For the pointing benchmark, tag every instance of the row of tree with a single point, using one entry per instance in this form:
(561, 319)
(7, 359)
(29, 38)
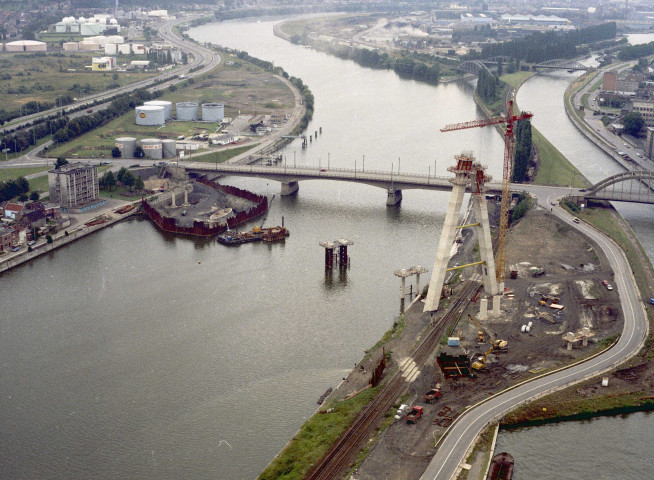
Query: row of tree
(539, 47)
(124, 177)
(632, 52)
(488, 86)
(522, 155)
(24, 139)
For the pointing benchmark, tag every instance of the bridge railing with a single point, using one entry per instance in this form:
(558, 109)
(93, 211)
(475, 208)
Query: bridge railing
(384, 175)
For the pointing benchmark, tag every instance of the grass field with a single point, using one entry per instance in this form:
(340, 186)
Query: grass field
(43, 76)
(11, 173)
(241, 87)
(554, 168)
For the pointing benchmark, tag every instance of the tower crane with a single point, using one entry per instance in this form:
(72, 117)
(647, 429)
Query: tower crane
(509, 120)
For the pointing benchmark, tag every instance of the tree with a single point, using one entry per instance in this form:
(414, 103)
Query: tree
(22, 197)
(109, 180)
(61, 161)
(138, 184)
(128, 179)
(138, 152)
(34, 196)
(115, 152)
(633, 123)
(120, 176)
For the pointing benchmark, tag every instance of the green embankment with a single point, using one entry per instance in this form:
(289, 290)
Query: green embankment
(315, 437)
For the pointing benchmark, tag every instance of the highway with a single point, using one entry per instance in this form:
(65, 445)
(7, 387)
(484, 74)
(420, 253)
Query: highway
(459, 439)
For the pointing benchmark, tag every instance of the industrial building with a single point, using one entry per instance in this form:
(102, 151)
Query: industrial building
(75, 187)
(103, 64)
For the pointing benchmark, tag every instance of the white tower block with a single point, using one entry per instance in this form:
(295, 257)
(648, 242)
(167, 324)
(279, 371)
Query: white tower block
(459, 182)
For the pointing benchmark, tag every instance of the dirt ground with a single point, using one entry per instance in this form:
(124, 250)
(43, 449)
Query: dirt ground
(573, 271)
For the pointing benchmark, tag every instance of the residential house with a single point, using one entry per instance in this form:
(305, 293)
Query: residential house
(13, 210)
(8, 238)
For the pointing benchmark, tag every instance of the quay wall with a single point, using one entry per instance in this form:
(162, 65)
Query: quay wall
(199, 228)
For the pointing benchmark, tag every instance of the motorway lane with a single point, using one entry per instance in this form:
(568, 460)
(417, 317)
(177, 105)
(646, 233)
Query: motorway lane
(454, 448)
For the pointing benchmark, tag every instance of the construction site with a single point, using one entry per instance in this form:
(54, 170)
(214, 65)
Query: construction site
(495, 313)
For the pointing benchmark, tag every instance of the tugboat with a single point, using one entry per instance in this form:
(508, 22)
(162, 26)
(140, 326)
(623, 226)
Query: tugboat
(501, 467)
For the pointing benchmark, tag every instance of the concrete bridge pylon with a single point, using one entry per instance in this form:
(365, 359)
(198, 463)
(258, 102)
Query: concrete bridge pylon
(467, 173)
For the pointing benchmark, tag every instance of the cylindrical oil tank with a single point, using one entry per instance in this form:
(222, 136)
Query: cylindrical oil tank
(186, 111)
(213, 112)
(126, 145)
(150, 115)
(168, 107)
(169, 148)
(152, 148)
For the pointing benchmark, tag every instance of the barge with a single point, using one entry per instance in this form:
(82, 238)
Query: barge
(272, 234)
(501, 467)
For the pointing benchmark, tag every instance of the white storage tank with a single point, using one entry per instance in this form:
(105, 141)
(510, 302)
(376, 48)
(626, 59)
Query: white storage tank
(168, 107)
(169, 148)
(152, 148)
(186, 111)
(89, 46)
(70, 46)
(126, 145)
(213, 112)
(124, 48)
(26, 46)
(150, 115)
(110, 49)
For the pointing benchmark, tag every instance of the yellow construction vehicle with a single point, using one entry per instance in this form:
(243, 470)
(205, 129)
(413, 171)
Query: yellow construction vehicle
(497, 343)
(481, 363)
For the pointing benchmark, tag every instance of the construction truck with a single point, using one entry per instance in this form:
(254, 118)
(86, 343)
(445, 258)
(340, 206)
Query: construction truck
(432, 395)
(414, 415)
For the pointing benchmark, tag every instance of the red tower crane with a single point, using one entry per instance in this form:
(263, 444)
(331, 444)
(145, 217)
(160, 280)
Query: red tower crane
(509, 120)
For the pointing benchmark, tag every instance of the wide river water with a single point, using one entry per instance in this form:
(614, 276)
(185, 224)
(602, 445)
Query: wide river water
(132, 354)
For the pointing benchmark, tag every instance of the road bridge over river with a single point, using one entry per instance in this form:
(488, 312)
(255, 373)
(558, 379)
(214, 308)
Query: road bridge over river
(630, 186)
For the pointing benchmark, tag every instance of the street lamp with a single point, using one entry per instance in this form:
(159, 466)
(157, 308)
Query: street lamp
(5, 151)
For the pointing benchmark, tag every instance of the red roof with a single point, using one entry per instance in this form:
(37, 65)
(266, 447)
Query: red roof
(14, 207)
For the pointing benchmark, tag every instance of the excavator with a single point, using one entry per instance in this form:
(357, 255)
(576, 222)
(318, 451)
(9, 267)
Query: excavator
(481, 363)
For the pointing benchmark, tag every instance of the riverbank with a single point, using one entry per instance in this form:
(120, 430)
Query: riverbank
(78, 230)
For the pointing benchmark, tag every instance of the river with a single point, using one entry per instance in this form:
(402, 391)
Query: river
(132, 354)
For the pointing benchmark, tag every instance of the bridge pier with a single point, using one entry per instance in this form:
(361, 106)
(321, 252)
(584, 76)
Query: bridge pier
(394, 197)
(290, 188)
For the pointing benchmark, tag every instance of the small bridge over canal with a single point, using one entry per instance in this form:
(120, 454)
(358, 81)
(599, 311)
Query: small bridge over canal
(633, 186)
(560, 64)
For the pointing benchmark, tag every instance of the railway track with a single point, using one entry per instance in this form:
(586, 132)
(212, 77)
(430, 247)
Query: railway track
(340, 455)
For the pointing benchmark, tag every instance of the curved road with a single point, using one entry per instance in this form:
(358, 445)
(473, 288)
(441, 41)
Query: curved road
(459, 439)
